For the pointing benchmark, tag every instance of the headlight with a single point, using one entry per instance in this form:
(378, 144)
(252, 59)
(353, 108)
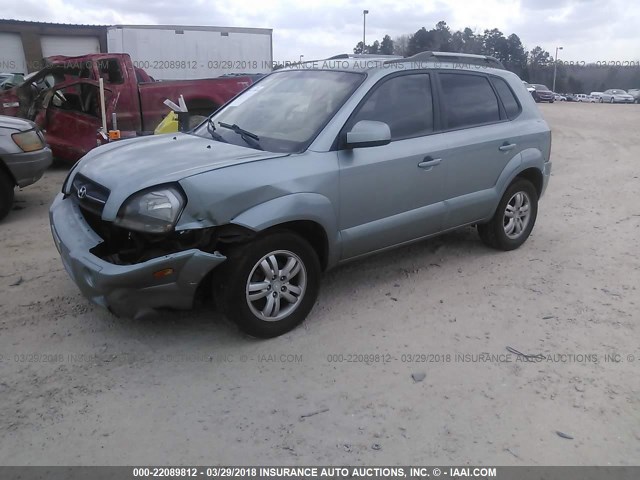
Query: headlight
(28, 141)
(155, 210)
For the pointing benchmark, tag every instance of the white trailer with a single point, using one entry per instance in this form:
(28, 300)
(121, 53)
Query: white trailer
(174, 52)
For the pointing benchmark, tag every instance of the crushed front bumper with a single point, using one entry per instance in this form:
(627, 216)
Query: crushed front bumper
(126, 290)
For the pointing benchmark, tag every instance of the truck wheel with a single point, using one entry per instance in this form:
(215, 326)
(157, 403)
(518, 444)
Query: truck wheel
(268, 286)
(6, 194)
(514, 218)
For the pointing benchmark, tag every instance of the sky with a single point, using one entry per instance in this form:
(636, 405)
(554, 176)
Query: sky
(588, 30)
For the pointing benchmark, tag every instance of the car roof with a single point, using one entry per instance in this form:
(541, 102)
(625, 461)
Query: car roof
(368, 62)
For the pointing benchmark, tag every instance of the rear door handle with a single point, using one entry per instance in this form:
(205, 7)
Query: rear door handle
(428, 163)
(505, 147)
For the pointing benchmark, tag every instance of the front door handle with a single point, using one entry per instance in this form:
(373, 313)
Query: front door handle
(428, 163)
(505, 147)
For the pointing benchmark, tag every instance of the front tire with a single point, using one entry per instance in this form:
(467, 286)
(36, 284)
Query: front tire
(269, 286)
(514, 219)
(6, 194)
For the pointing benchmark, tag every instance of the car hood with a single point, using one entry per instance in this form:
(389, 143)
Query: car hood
(128, 166)
(14, 123)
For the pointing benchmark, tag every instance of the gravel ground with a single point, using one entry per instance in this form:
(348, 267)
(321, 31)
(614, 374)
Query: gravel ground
(79, 386)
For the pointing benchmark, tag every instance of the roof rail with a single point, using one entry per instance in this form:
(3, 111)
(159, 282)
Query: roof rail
(344, 56)
(465, 58)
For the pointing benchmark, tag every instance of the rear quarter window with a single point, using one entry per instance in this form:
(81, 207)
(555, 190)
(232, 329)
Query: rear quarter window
(509, 100)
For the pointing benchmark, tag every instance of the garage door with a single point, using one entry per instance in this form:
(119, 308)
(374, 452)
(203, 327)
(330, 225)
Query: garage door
(70, 46)
(11, 53)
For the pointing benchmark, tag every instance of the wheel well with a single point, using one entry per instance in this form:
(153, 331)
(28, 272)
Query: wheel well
(313, 233)
(534, 176)
(4, 169)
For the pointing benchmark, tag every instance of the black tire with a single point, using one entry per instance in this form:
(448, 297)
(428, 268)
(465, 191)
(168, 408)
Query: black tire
(6, 194)
(493, 233)
(231, 283)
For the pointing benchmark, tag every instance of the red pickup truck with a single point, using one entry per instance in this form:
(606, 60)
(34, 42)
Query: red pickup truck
(64, 99)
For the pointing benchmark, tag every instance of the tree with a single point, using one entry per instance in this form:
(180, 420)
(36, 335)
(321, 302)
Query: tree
(374, 48)
(358, 48)
(442, 37)
(386, 47)
(401, 45)
(516, 56)
(495, 45)
(421, 41)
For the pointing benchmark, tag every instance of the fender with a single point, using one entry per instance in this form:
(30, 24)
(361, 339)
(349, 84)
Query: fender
(528, 158)
(531, 157)
(295, 207)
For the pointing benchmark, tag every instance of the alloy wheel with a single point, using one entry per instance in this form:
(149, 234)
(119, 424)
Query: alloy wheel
(276, 285)
(516, 215)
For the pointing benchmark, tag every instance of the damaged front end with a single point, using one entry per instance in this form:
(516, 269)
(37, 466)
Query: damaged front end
(128, 272)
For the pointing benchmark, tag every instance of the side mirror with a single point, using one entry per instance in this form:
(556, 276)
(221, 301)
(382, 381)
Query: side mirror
(368, 133)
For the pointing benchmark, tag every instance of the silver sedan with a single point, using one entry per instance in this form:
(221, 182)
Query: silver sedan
(615, 95)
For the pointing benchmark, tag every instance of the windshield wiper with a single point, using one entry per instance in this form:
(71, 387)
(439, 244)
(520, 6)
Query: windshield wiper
(251, 138)
(211, 128)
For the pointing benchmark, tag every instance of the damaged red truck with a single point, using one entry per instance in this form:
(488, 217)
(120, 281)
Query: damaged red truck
(63, 99)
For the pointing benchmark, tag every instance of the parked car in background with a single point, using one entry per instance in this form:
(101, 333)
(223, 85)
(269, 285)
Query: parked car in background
(616, 95)
(542, 94)
(285, 182)
(558, 97)
(583, 97)
(635, 93)
(64, 99)
(596, 95)
(24, 156)
(530, 88)
(571, 97)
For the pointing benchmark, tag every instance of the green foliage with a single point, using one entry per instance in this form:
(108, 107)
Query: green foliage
(535, 66)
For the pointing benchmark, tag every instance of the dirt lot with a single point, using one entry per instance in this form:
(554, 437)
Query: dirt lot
(78, 386)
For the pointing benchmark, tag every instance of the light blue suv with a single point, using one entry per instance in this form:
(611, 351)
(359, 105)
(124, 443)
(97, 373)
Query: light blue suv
(314, 165)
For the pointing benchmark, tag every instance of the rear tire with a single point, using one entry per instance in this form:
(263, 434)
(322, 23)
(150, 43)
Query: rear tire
(6, 194)
(268, 286)
(514, 219)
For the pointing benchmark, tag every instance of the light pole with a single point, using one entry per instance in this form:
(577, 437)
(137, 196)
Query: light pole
(364, 28)
(555, 67)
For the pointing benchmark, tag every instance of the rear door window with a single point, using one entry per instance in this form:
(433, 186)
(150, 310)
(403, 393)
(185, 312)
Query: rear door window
(468, 100)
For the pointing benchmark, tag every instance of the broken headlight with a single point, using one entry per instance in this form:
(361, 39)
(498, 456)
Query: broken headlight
(155, 210)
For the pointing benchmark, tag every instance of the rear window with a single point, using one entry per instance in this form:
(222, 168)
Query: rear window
(468, 100)
(509, 101)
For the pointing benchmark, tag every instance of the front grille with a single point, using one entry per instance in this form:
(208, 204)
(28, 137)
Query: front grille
(91, 196)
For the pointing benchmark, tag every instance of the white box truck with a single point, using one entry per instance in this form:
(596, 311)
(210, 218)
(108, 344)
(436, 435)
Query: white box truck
(175, 52)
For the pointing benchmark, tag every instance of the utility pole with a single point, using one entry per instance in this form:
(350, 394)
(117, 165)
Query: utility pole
(555, 67)
(364, 28)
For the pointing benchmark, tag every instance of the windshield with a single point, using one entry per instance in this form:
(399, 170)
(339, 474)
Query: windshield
(618, 92)
(284, 112)
(540, 87)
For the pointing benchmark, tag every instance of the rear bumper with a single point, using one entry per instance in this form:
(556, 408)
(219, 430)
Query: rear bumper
(28, 167)
(126, 290)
